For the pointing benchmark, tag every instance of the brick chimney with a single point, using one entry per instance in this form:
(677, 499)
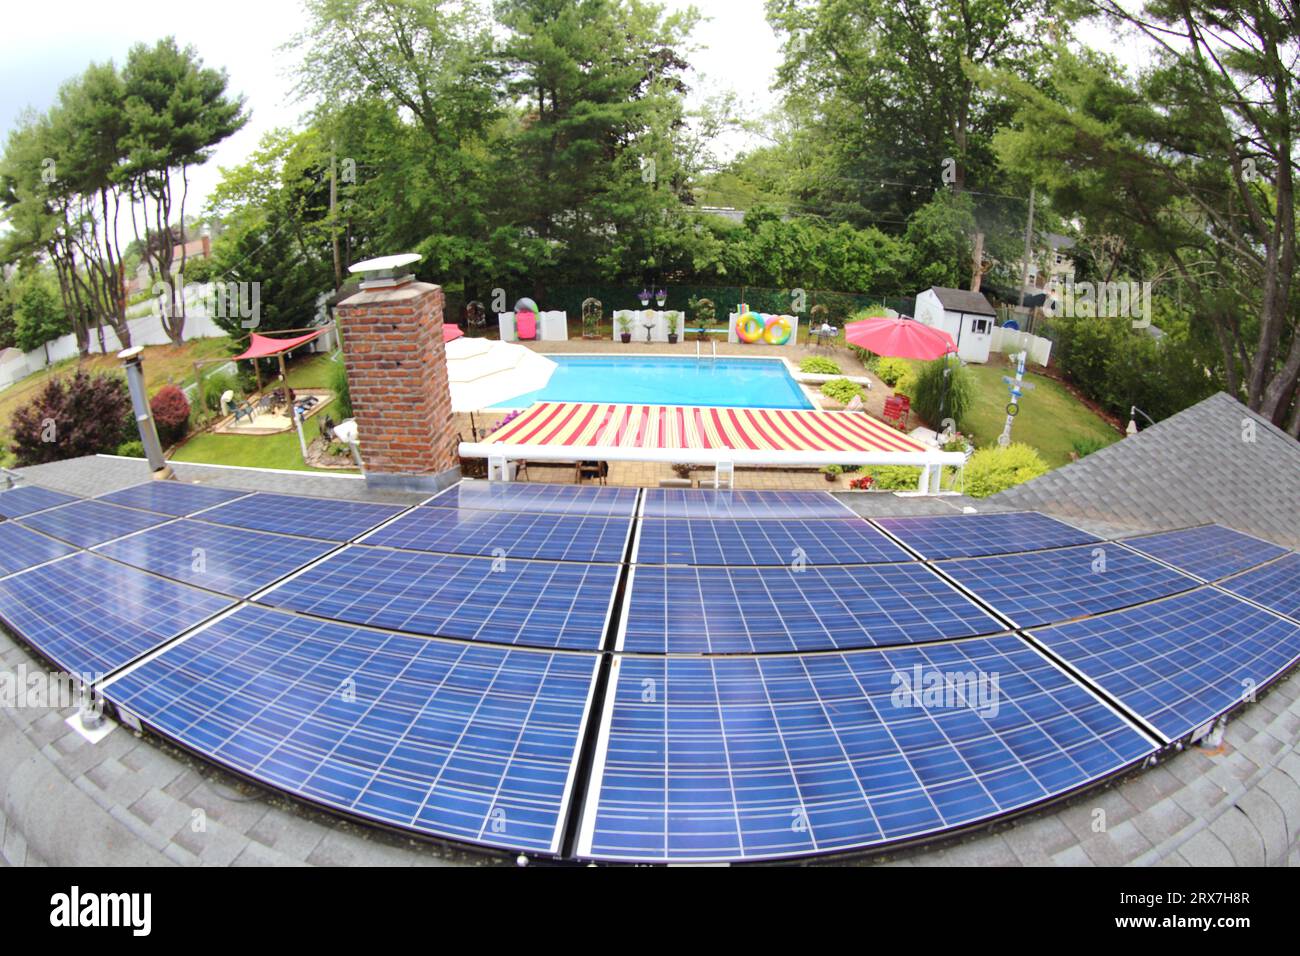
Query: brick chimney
(397, 375)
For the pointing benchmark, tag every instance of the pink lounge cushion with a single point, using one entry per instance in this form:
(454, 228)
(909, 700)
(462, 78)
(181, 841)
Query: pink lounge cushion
(526, 325)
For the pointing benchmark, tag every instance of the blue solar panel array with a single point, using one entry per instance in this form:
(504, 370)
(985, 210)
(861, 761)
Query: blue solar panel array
(752, 758)
(502, 601)
(554, 537)
(88, 523)
(91, 616)
(229, 560)
(699, 503)
(468, 742)
(1181, 662)
(965, 536)
(16, 502)
(759, 610)
(330, 519)
(1210, 552)
(21, 548)
(1275, 586)
(1044, 587)
(745, 541)
(538, 499)
(172, 497)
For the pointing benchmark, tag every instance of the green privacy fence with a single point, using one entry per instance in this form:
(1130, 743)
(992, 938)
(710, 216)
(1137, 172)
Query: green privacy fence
(825, 306)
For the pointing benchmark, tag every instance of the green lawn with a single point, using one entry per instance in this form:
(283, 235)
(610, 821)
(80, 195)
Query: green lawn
(1050, 418)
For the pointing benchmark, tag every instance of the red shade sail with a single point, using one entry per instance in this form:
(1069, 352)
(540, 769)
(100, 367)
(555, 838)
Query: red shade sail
(263, 346)
(900, 338)
(451, 332)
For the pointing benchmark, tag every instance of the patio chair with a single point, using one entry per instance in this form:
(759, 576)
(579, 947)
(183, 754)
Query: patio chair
(244, 410)
(591, 469)
(898, 409)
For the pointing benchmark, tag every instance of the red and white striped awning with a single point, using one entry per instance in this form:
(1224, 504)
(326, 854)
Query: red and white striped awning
(561, 431)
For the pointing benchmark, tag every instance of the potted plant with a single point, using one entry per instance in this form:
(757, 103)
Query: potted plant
(625, 328)
(832, 472)
(644, 296)
(661, 297)
(674, 326)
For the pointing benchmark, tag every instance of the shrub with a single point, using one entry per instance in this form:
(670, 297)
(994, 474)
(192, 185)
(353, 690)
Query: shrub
(342, 393)
(995, 469)
(131, 449)
(171, 413)
(70, 417)
(894, 477)
(906, 384)
(214, 386)
(934, 400)
(1086, 446)
(841, 390)
(890, 370)
(817, 365)
(869, 359)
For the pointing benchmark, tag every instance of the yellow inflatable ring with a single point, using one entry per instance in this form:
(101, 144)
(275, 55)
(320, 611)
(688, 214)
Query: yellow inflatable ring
(749, 328)
(777, 331)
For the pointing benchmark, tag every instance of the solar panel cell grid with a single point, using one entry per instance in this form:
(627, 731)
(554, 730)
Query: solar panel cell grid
(961, 536)
(88, 523)
(171, 497)
(501, 601)
(465, 742)
(1047, 586)
(1275, 586)
(591, 500)
(91, 616)
(1180, 662)
(515, 535)
(1210, 552)
(701, 503)
(752, 610)
(16, 502)
(230, 560)
(330, 519)
(729, 759)
(21, 548)
(744, 541)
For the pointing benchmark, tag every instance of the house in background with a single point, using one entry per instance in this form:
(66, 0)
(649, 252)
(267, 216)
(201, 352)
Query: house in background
(966, 316)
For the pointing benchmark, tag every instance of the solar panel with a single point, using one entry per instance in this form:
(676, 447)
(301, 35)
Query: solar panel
(91, 616)
(742, 541)
(964, 536)
(467, 742)
(20, 548)
(500, 601)
(25, 499)
(230, 560)
(1043, 587)
(88, 523)
(1180, 662)
(551, 536)
(331, 519)
(1210, 552)
(172, 497)
(752, 758)
(752, 610)
(700, 503)
(1275, 586)
(538, 498)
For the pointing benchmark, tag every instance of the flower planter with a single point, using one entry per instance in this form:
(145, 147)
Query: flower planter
(672, 338)
(625, 337)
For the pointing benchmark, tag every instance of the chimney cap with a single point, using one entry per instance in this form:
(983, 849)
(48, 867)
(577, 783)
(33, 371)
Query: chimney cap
(385, 271)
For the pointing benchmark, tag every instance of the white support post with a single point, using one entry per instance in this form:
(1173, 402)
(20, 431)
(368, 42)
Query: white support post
(500, 469)
(725, 469)
(923, 485)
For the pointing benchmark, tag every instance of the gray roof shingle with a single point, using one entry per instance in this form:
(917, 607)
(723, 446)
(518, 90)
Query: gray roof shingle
(961, 300)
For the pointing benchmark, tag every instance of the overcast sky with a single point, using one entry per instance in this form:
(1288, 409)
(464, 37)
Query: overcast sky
(44, 44)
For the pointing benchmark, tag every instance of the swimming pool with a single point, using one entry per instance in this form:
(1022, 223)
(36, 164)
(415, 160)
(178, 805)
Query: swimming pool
(649, 380)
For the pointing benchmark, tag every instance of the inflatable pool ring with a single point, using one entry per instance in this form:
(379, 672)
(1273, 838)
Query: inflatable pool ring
(749, 328)
(777, 331)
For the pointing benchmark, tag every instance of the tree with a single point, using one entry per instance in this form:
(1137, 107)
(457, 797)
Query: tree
(39, 314)
(1194, 163)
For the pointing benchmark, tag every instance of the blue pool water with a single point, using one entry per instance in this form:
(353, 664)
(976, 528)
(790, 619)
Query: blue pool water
(646, 380)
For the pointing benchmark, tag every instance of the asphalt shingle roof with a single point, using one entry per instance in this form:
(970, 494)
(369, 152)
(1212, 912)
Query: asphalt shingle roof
(1216, 461)
(961, 300)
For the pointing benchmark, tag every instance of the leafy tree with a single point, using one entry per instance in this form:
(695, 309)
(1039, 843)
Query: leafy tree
(171, 413)
(73, 416)
(39, 315)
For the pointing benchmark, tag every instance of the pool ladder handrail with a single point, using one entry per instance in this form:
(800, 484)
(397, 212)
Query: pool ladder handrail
(712, 341)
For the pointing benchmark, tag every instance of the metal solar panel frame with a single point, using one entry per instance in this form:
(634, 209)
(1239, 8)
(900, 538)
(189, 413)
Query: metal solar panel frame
(539, 490)
(890, 551)
(56, 547)
(656, 498)
(49, 499)
(564, 806)
(1133, 543)
(126, 497)
(1289, 560)
(90, 521)
(213, 515)
(591, 799)
(882, 523)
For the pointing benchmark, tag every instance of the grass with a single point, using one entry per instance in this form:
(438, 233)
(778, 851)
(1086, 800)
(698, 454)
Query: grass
(1050, 418)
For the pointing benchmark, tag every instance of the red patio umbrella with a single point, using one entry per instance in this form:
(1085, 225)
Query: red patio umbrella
(451, 332)
(903, 337)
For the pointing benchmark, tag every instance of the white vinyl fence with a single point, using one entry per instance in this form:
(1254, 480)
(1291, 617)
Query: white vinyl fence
(1013, 340)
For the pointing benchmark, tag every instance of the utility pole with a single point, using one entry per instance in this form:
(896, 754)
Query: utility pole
(1029, 251)
(334, 232)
